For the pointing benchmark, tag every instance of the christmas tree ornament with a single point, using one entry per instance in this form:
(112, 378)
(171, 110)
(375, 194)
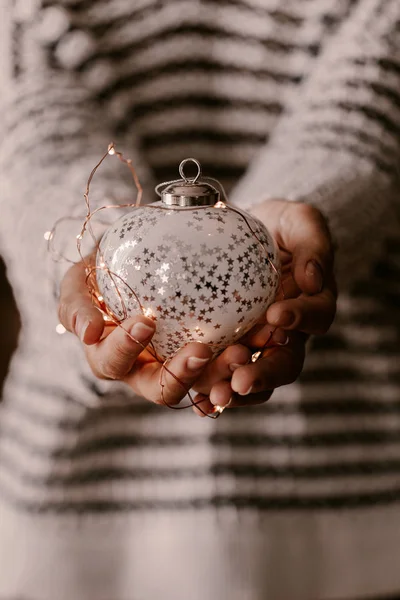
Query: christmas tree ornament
(204, 270)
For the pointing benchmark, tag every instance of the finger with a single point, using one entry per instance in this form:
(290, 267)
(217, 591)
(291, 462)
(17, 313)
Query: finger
(76, 310)
(173, 382)
(114, 356)
(305, 233)
(224, 398)
(301, 230)
(266, 334)
(309, 314)
(202, 405)
(279, 366)
(238, 401)
(221, 394)
(222, 367)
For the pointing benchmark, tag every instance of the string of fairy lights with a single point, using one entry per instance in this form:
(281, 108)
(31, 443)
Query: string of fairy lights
(92, 268)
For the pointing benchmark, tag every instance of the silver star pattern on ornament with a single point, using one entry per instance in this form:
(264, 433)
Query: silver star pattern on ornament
(200, 273)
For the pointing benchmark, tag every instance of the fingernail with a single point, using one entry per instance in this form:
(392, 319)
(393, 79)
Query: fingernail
(194, 363)
(247, 392)
(221, 404)
(234, 366)
(286, 319)
(141, 332)
(280, 337)
(314, 270)
(81, 325)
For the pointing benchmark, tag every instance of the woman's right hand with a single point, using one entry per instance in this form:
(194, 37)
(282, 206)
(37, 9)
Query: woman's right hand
(112, 354)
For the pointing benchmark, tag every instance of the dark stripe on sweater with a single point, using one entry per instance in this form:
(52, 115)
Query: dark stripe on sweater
(184, 67)
(93, 475)
(379, 89)
(341, 146)
(258, 503)
(389, 65)
(345, 129)
(390, 299)
(198, 100)
(278, 16)
(212, 33)
(368, 437)
(373, 114)
(346, 406)
(81, 6)
(332, 374)
(221, 172)
(202, 135)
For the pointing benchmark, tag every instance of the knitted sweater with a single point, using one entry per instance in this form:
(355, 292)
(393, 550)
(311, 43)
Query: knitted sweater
(105, 496)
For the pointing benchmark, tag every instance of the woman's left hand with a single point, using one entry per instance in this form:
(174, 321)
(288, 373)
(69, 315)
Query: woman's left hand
(306, 305)
(249, 383)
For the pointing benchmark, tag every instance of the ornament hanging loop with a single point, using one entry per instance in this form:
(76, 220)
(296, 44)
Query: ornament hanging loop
(188, 191)
(182, 174)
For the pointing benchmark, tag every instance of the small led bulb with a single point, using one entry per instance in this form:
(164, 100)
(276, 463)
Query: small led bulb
(256, 356)
(60, 329)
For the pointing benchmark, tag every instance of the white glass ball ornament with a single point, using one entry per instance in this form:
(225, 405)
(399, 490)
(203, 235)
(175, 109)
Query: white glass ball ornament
(205, 271)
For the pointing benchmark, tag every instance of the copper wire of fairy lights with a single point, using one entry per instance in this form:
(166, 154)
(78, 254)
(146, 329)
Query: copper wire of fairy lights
(109, 317)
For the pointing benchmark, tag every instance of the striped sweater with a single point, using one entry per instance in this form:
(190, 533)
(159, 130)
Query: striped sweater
(104, 496)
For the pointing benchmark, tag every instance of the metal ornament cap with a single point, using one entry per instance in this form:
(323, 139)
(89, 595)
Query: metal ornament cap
(189, 191)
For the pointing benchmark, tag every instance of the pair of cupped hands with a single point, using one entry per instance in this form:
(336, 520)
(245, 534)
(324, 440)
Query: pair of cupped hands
(307, 306)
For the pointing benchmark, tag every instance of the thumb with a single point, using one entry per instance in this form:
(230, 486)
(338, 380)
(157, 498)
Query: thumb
(76, 310)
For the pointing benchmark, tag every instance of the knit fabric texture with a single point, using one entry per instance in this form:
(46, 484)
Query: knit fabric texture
(105, 496)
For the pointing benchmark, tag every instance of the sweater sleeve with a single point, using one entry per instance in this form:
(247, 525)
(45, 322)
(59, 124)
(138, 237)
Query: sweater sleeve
(338, 147)
(53, 132)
